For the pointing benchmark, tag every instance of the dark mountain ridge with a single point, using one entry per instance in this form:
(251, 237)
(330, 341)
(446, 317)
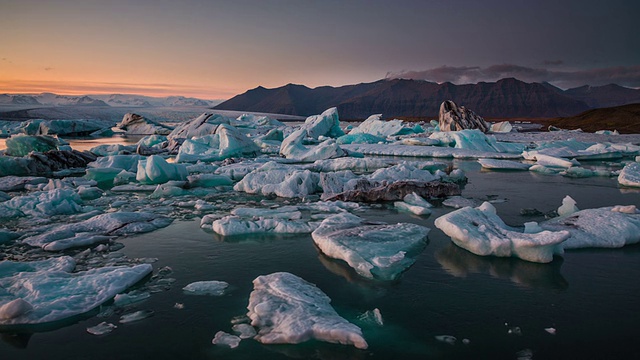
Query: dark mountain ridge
(505, 98)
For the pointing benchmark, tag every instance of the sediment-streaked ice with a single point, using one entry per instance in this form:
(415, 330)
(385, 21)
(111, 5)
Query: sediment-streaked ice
(375, 251)
(600, 228)
(482, 232)
(289, 310)
(46, 291)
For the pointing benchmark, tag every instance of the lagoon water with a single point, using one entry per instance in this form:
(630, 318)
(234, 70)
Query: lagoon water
(502, 306)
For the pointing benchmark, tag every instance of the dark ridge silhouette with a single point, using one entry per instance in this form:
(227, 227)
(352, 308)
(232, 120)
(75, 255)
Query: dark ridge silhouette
(506, 98)
(625, 119)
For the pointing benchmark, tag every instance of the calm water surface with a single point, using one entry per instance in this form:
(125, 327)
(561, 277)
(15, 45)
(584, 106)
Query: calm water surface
(589, 296)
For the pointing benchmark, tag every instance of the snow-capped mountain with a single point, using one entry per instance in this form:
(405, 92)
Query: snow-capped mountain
(114, 100)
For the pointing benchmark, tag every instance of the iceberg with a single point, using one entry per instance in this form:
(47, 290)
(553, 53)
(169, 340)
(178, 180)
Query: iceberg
(280, 180)
(156, 170)
(475, 140)
(414, 204)
(63, 127)
(22, 145)
(373, 125)
(568, 206)
(480, 231)
(226, 141)
(44, 203)
(205, 124)
(548, 160)
(289, 310)
(293, 149)
(95, 228)
(374, 251)
(501, 127)
(630, 175)
(360, 138)
(134, 124)
(600, 228)
(208, 180)
(45, 291)
(121, 162)
(17, 183)
(430, 151)
(326, 124)
(456, 118)
(235, 225)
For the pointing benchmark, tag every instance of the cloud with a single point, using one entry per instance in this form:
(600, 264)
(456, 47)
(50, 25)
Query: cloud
(48, 69)
(621, 75)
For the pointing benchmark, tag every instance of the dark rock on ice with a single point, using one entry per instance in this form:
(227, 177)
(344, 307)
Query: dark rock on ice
(373, 191)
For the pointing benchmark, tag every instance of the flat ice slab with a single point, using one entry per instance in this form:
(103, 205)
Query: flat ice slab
(494, 164)
(480, 231)
(289, 310)
(375, 251)
(630, 175)
(601, 228)
(44, 291)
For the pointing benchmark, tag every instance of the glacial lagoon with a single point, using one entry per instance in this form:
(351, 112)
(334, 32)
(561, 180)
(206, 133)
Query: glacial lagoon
(581, 305)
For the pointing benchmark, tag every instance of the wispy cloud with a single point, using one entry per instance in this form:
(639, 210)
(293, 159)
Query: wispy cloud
(82, 88)
(48, 69)
(621, 75)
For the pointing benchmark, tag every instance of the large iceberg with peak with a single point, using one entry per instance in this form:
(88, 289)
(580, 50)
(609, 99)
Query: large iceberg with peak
(326, 124)
(374, 250)
(482, 232)
(292, 148)
(134, 124)
(289, 310)
(45, 291)
(205, 124)
(373, 125)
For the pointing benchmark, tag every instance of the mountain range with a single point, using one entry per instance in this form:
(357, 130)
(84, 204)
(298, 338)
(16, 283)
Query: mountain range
(506, 98)
(115, 100)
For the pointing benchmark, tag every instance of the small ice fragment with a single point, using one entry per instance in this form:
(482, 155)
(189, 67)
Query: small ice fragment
(372, 316)
(550, 330)
(101, 329)
(102, 248)
(130, 298)
(451, 340)
(136, 316)
(568, 206)
(515, 330)
(628, 209)
(525, 354)
(466, 341)
(245, 331)
(215, 288)
(222, 338)
(178, 306)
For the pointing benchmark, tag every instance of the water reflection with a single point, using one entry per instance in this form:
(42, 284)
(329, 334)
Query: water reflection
(318, 350)
(17, 340)
(460, 263)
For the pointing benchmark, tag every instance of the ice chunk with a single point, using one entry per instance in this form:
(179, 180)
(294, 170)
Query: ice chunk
(17, 183)
(451, 340)
(205, 124)
(372, 316)
(415, 204)
(601, 227)
(113, 149)
(213, 287)
(52, 291)
(208, 180)
(234, 225)
(156, 170)
(225, 142)
(136, 316)
(375, 251)
(21, 145)
(293, 149)
(568, 206)
(549, 161)
(45, 203)
(377, 127)
(325, 124)
(475, 140)
(6, 236)
(289, 310)
(284, 181)
(630, 175)
(135, 124)
(103, 176)
(501, 127)
(459, 202)
(244, 331)
(121, 162)
(223, 338)
(503, 164)
(628, 209)
(482, 232)
(130, 298)
(14, 309)
(434, 151)
(110, 224)
(360, 139)
(101, 329)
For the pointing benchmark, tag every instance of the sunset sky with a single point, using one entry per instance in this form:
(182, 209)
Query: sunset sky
(216, 49)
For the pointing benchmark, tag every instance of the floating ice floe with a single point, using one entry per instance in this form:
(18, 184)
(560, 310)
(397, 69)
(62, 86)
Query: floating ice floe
(134, 124)
(131, 297)
(96, 229)
(244, 331)
(459, 202)
(360, 138)
(203, 125)
(101, 329)
(120, 162)
(223, 338)
(608, 227)
(281, 180)
(45, 291)
(549, 161)
(375, 251)
(136, 316)
(415, 204)
(326, 124)
(630, 175)
(235, 225)
(501, 127)
(213, 287)
(289, 310)
(156, 170)
(475, 140)
(44, 203)
(482, 232)
(17, 183)
(293, 149)
(427, 151)
(63, 127)
(208, 180)
(494, 164)
(568, 206)
(226, 141)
